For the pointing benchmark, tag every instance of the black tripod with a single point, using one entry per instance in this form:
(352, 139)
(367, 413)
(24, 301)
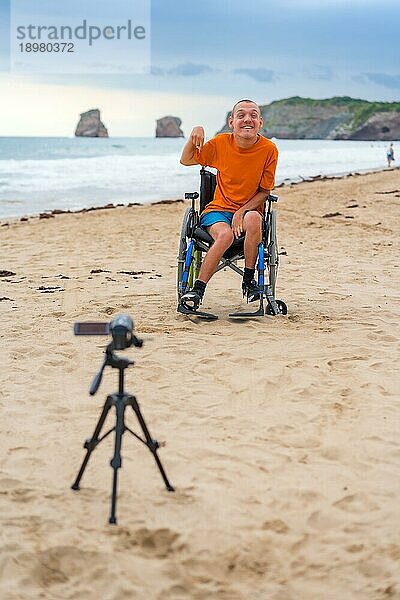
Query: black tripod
(120, 400)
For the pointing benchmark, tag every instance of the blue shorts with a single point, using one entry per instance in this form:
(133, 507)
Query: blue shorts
(216, 216)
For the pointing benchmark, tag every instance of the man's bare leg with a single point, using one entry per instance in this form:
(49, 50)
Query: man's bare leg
(252, 228)
(223, 238)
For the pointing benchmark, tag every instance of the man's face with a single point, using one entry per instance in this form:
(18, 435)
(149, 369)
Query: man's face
(246, 120)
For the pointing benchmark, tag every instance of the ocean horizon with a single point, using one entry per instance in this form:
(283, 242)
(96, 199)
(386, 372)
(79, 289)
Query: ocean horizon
(40, 174)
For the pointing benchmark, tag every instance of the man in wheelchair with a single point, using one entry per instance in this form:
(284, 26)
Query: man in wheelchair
(246, 164)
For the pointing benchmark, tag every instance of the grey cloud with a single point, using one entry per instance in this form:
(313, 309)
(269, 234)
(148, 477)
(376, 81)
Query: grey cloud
(189, 69)
(258, 74)
(389, 81)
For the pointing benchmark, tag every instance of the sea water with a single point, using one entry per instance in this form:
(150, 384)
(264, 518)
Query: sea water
(39, 174)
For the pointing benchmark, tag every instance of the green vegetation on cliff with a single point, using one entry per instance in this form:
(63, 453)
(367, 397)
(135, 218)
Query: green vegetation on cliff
(361, 110)
(340, 117)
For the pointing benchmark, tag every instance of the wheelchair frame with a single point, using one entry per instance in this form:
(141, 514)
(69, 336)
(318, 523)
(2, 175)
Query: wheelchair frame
(194, 240)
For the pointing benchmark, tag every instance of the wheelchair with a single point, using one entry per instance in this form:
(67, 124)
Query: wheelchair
(195, 240)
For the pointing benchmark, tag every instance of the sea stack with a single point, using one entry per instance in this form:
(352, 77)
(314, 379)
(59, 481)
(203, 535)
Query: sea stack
(90, 125)
(169, 127)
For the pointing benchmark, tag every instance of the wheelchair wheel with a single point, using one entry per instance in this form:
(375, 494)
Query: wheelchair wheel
(187, 224)
(282, 308)
(273, 262)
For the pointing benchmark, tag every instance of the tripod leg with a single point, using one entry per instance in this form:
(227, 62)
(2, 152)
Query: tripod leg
(91, 444)
(116, 461)
(151, 444)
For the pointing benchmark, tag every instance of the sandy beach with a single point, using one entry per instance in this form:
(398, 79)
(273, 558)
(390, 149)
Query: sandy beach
(282, 434)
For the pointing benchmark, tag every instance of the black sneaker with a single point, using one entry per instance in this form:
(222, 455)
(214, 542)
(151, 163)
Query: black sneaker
(191, 300)
(250, 290)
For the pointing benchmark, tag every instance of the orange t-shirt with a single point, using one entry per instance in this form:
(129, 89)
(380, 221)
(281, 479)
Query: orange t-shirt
(241, 171)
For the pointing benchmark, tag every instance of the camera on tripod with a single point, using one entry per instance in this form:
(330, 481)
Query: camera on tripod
(121, 328)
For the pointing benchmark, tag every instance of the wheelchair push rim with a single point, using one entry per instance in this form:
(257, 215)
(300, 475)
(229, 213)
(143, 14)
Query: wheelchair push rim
(272, 248)
(186, 232)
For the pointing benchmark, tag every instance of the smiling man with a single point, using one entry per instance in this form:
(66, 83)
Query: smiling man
(246, 164)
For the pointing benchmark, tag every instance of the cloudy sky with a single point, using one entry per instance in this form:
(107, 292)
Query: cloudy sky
(206, 55)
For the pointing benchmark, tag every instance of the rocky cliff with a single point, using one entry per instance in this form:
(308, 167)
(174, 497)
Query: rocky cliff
(90, 125)
(169, 127)
(339, 118)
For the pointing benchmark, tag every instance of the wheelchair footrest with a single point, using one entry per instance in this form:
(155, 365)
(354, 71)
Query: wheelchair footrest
(196, 313)
(248, 315)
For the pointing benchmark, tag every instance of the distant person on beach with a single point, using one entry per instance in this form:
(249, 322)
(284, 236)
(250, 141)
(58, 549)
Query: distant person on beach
(246, 164)
(390, 155)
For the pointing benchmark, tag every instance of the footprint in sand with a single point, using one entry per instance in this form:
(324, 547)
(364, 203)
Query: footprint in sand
(276, 525)
(14, 490)
(159, 543)
(345, 362)
(356, 503)
(382, 337)
(23, 495)
(61, 563)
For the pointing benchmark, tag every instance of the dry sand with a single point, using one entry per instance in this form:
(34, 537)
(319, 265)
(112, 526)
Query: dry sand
(282, 434)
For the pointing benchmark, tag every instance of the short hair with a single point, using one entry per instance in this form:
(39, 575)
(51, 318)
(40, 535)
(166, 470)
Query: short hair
(244, 100)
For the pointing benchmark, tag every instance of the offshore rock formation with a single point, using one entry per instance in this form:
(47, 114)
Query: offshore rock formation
(169, 127)
(90, 125)
(339, 118)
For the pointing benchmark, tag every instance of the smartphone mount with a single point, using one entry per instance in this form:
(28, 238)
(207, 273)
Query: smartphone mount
(120, 400)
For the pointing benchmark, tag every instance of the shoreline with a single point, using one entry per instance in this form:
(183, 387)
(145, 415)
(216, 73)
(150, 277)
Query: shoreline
(286, 183)
(342, 175)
